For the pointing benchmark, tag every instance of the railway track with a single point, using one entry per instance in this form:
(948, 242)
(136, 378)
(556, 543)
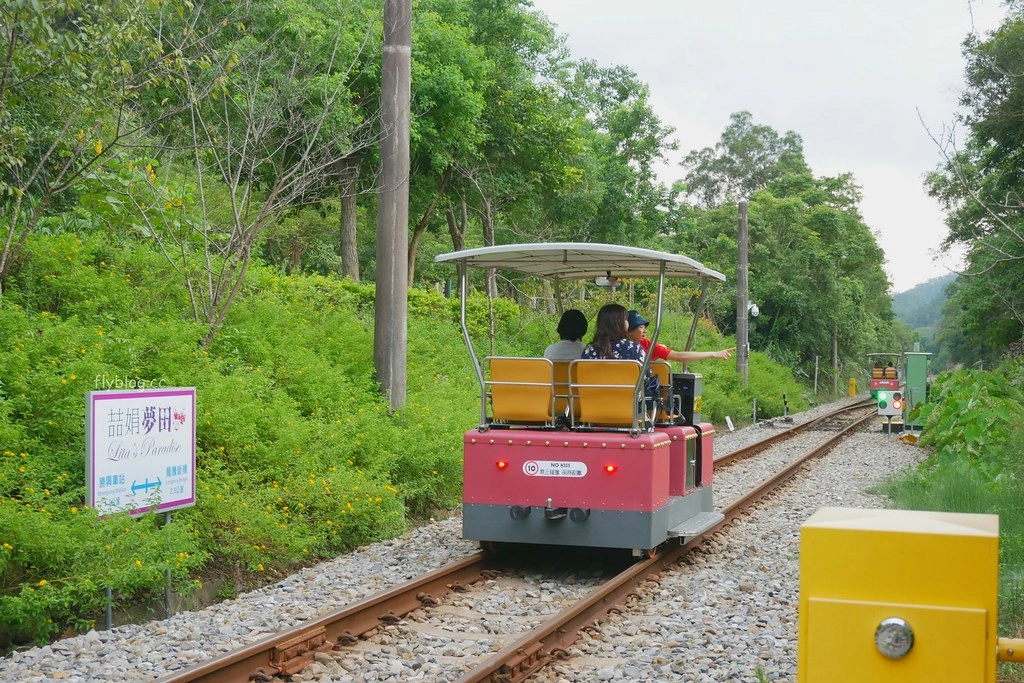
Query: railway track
(392, 617)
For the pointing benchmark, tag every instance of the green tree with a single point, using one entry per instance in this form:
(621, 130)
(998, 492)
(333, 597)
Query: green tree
(746, 158)
(71, 73)
(452, 72)
(979, 187)
(266, 121)
(816, 271)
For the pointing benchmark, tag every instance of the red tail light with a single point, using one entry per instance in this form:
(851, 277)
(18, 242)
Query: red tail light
(610, 469)
(501, 464)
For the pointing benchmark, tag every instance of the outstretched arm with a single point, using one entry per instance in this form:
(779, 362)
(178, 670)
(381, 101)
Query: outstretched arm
(691, 356)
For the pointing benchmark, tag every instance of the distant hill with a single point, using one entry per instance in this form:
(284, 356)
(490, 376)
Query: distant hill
(921, 307)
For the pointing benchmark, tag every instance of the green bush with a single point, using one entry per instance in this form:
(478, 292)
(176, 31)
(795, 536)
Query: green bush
(298, 458)
(968, 412)
(298, 455)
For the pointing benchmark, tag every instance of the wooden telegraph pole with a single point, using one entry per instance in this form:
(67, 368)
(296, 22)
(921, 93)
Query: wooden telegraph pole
(742, 299)
(390, 332)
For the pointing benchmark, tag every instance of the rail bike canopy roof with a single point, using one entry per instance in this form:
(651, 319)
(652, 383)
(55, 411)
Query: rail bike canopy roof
(581, 260)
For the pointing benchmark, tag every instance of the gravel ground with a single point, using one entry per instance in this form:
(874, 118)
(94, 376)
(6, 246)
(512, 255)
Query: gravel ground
(728, 614)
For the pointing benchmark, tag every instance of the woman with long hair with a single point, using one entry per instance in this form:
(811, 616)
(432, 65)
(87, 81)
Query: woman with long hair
(610, 342)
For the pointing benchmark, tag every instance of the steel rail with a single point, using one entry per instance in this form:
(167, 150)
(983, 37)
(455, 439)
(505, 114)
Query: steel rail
(288, 652)
(761, 445)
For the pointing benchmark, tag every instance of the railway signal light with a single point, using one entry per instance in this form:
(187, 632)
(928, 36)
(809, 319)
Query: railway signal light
(890, 403)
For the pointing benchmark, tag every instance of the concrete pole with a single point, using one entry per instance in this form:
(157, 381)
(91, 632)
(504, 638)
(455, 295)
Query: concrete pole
(742, 299)
(390, 332)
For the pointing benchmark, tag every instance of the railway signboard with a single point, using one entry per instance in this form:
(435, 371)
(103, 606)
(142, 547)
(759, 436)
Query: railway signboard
(141, 450)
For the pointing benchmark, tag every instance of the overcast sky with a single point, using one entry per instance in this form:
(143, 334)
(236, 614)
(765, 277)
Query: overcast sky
(854, 78)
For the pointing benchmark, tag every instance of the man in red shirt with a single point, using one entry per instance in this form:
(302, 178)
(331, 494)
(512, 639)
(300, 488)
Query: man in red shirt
(638, 333)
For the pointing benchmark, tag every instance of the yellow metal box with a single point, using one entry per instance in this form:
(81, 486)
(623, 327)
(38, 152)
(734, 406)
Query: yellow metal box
(898, 595)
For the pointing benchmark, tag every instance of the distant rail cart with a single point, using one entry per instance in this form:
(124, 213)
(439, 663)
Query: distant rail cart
(899, 383)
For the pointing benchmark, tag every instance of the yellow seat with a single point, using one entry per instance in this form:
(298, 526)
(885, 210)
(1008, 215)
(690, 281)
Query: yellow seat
(890, 372)
(877, 373)
(522, 390)
(607, 396)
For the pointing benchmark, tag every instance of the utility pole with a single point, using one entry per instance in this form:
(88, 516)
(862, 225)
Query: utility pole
(390, 322)
(742, 299)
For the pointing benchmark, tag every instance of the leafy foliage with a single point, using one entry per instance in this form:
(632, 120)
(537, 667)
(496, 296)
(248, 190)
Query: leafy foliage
(815, 268)
(994, 404)
(979, 186)
(746, 159)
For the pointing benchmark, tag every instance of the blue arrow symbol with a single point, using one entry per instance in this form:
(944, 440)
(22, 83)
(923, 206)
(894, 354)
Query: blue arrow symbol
(146, 485)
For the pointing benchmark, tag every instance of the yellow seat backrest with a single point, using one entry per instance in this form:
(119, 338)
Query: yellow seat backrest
(605, 391)
(522, 390)
(877, 373)
(890, 372)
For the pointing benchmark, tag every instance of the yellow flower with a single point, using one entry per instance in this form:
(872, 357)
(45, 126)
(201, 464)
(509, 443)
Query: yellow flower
(260, 566)
(8, 546)
(99, 147)
(81, 134)
(42, 582)
(138, 563)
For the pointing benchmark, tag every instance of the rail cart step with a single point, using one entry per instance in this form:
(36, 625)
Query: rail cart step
(696, 525)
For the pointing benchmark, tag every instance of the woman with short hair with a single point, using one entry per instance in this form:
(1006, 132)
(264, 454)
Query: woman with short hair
(571, 329)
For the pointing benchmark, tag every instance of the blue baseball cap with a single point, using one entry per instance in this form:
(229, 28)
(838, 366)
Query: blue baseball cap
(635, 320)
